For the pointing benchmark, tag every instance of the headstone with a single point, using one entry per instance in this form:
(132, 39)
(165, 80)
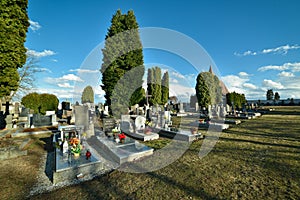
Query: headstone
(82, 119)
(181, 110)
(126, 125)
(41, 120)
(139, 123)
(7, 108)
(2, 120)
(108, 124)
(196, 107)
(106, 111)
(65, 105)
(29, 120)
(228, 110)
(24, 112)
(54, 120)
(8, 119)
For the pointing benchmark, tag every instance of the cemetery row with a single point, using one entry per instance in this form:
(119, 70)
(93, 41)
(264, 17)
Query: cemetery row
(81, 143)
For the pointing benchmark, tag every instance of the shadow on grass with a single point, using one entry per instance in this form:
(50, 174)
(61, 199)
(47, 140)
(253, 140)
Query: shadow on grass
(285, 136)
(198, 193)
(258, 142)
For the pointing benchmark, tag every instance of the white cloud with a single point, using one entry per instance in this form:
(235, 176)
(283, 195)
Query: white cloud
(33, 53)
(43, 69)
(70, 77)
(84, 71)
(249, 85)
(34, 25)
(183, 93)
(173, 80)
(295, 67)
(271, 84)
(244, 74)
(233, 81)
(277, 50)
(286, 74)
(281, 50)
(246, 53)
(177, 75)
(65, 85)
(240, 84)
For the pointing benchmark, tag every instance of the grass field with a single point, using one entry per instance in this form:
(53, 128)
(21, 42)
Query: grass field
(257, 159)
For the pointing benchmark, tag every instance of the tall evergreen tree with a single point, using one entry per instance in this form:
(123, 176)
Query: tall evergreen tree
(270, 94)
(210, 92)
(157, 86)
(13, 27)
(87, 95)
(122, 52)
(150, 85)
(165, 88)
(202, 91)
(277, 96)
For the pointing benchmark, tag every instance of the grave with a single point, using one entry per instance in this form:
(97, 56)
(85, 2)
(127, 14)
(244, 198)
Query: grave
(121, 153)
(182, 135)
(134, 126)
(68, 165)
(162, 125)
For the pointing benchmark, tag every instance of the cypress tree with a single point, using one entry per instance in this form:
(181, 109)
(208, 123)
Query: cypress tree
(87, 95)
(150, 84)
(165, 88)
(157, 86)
(122, 53)
(13, 27)
(202, 91)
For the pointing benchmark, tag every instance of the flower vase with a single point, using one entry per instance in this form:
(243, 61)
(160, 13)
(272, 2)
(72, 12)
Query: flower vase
(76, 155)
(122, 141)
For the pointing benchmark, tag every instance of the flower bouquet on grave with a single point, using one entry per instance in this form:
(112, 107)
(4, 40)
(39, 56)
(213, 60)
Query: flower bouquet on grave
(122, 137)
(115, 132)
(76, 150)
(74, 141)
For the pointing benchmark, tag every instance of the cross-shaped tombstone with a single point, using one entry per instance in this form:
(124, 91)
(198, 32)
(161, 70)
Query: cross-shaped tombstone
(147, 95)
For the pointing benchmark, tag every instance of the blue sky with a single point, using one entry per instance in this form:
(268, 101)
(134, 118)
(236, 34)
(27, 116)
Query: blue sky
(252, 45)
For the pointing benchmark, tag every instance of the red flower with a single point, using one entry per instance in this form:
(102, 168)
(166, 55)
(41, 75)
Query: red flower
(122, 136)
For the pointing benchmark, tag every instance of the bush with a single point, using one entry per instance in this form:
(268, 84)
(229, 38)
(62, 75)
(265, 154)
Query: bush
(40, 103)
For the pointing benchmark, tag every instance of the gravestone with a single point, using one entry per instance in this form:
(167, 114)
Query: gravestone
(65, 105)
(9, 123)
(82, 118)
(196, 107)
(126, 124)
(41, 120)
(181, 110)
(2, 120)
(108, 124)
(24, 112)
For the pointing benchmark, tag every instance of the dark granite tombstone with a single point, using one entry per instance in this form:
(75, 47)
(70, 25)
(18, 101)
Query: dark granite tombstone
(40, 120)
(7, 108)
(2, 120)
(65, 105)
(108, 124)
